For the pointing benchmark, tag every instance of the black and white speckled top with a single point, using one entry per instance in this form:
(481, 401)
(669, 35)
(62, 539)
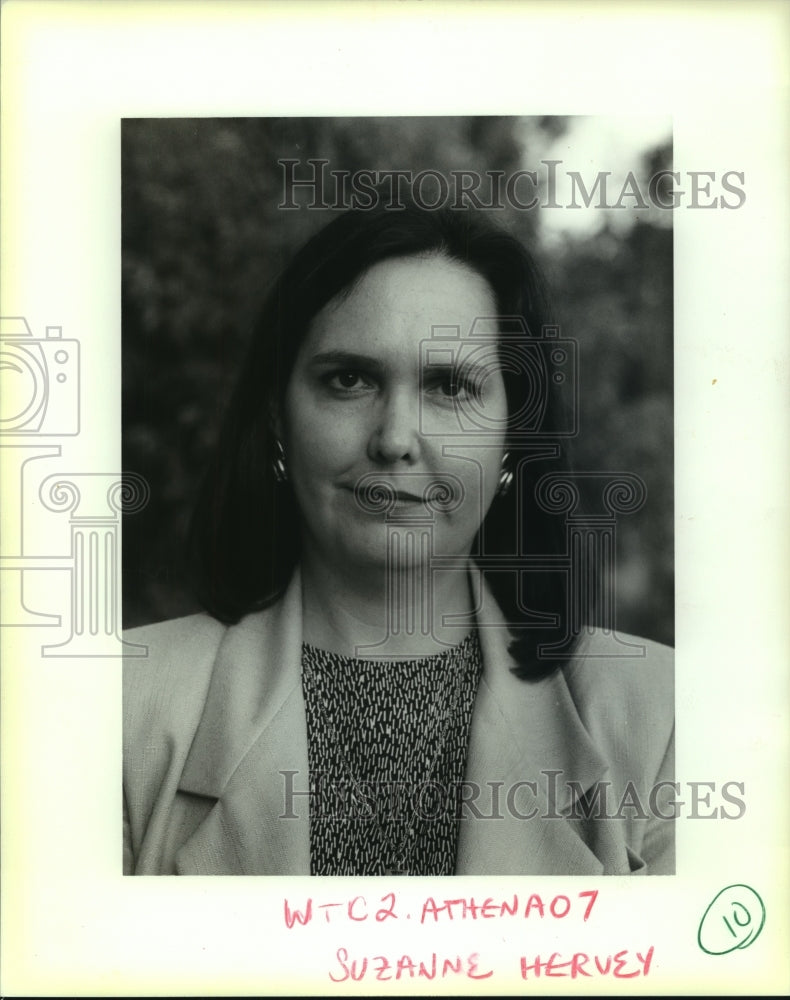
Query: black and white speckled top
(387, 744)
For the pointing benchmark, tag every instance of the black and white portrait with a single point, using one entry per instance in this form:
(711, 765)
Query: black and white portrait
(401, 602)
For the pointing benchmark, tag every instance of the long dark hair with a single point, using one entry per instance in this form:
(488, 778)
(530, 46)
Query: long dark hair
(244, 537)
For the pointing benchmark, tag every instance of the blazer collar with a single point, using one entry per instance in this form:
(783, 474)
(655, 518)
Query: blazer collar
(250, 754)
(527, 744)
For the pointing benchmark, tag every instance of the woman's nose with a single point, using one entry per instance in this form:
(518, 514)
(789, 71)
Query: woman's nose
(395, 436)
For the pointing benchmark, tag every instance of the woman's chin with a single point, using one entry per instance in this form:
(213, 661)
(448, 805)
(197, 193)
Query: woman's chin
(373, 552)
(375, 559)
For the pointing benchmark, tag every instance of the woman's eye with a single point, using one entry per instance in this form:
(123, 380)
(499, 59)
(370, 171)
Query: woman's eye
(347, 381)
(457, 388)
(452, 387)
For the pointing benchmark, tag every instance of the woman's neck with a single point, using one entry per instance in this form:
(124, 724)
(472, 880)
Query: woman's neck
(355, 615)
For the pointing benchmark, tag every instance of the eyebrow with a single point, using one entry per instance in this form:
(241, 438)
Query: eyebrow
(346, 359)
(467, 370)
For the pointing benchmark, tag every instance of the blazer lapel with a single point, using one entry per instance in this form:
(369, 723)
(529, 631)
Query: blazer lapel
(250, 752)
(526, 744)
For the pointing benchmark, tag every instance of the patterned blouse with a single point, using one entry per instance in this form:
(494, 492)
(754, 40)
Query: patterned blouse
(387, 744)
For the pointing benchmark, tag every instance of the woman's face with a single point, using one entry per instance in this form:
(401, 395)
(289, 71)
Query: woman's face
(374, 395)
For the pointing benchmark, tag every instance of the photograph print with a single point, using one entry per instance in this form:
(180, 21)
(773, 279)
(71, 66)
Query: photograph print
(401, 601)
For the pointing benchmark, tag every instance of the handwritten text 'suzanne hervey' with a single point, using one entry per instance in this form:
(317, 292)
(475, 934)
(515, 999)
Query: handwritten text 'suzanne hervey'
(622, 963)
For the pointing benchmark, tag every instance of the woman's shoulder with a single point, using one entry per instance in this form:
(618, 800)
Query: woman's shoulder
(168, 665)
(616, 665)
(167, 636)
(619, 679)
(606, 657)
(172, 645)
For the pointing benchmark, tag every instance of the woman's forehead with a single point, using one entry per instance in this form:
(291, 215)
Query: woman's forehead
(403, 301)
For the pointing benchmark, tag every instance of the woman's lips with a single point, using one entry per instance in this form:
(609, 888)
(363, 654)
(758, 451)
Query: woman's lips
(402, 497)
(439, 494)
(383, 492)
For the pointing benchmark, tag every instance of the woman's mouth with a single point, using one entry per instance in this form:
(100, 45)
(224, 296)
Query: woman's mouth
(402, 497)
(435, 493)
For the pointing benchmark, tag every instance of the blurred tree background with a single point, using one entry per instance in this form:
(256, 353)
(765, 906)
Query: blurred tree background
(203, 237)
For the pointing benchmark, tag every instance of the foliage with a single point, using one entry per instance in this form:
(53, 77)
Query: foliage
(203, 237)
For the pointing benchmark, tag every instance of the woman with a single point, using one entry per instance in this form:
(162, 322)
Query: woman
(379, 687)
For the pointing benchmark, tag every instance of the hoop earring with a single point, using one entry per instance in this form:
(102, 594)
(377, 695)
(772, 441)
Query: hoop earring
(278, 463)
(505, 476)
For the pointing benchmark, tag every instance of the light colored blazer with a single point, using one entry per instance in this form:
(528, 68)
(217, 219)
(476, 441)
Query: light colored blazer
(214, 716)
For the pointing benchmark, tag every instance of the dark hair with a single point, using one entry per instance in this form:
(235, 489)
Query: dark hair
(244, 535)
